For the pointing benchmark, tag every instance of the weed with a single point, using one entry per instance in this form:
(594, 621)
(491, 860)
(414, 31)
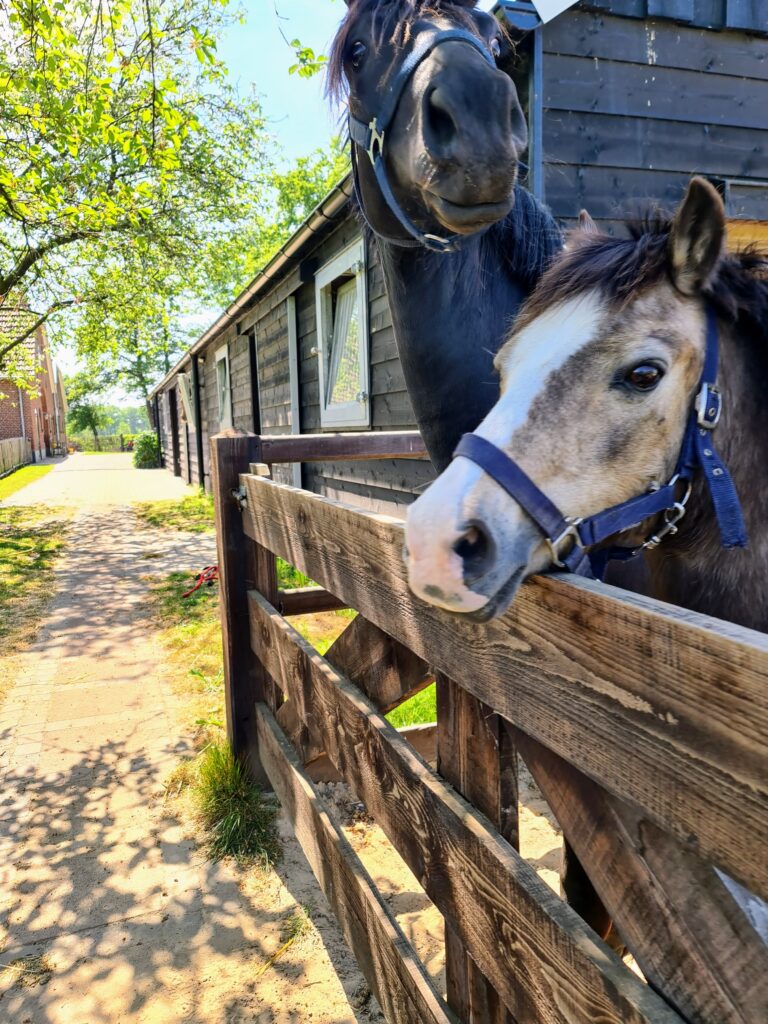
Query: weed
(193, 513)
(294, 927)
(20, 478)
(31, 971)
(237, 820)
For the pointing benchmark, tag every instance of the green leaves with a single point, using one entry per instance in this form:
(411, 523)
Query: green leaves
(308, 63)
(121, 145)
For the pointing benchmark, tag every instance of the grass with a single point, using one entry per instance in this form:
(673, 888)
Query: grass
(236, 821)
(193, 513)
(20, 478)
(419, 710)
(31, 971)
(30, 540)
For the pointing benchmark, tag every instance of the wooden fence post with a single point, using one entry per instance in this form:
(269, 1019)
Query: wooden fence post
(478, 758)
(243, 566)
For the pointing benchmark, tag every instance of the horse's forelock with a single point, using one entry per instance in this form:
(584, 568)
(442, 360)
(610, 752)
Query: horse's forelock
(621, 269)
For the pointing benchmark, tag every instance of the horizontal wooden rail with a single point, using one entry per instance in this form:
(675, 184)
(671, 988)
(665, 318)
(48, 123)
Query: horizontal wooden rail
(533, 948)
(373, 444)
(384, 955)
(307, 601)
(682, 734)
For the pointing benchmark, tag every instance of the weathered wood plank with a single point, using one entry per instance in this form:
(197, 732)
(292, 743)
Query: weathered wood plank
(687, 934)
(386, 958)
(387, 672)
(245, 680)
(530, 945)
(383, 669)
(585, 138)
(655, 47)
(307, 601)
(614, 87)
(423, 739)
(404, 444)
(684, 735)
(476, 755)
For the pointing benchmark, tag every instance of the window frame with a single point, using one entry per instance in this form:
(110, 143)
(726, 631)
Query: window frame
(354, 414)
(225, 414)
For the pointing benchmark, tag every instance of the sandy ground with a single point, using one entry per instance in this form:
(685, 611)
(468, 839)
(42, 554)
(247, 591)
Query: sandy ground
(103, 892)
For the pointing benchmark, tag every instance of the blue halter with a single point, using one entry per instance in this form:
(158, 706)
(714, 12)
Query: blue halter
(371, 137)
(568, 538)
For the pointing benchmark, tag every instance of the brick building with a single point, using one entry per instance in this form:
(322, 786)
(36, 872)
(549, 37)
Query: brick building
(38, 418)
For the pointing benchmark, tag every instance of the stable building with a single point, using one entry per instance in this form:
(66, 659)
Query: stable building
(625, 100)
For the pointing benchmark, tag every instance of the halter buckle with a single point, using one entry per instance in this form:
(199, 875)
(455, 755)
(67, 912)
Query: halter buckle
(375, 141)
(571, 532)
(672, 517)
(709, 406)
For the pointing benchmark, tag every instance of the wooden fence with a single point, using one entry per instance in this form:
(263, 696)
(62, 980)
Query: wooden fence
(645, 726)
(14, 452)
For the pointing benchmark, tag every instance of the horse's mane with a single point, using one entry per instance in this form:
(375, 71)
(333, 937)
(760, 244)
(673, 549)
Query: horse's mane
(393, 20)
(621, 268)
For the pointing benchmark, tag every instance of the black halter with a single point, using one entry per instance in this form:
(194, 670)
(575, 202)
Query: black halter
(372, 136)
(568, 537)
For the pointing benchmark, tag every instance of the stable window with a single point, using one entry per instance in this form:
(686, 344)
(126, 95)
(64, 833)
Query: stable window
(223, 389)
(186, 392)
(342, 326)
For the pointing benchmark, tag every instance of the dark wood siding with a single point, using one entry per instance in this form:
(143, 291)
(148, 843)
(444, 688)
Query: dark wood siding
(240, 383)
(740, 14)
(632, 109)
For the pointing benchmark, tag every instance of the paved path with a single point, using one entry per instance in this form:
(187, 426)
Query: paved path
(135, 924)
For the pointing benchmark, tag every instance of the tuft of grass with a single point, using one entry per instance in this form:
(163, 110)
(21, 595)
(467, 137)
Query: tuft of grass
(419, 710)
(294, 927)
(237, 820)
(20, 478)
(30, 540)
(31, 971)
(193, 513)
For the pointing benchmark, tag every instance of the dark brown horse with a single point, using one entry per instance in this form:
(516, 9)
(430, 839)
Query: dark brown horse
(451, 155)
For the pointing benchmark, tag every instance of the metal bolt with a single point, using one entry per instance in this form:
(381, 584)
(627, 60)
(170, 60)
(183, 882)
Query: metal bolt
(708, 452)
(717, 472)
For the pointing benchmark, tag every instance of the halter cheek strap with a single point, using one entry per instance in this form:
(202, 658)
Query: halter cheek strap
(372, 137)
(568, 537)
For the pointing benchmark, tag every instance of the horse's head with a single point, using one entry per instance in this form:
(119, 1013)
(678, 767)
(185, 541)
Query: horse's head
(457, 129)
(597, 380)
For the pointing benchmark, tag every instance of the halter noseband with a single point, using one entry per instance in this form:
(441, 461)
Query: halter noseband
(568, 537)
(372, 136)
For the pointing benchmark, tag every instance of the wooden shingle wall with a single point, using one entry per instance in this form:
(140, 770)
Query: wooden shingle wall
(633, 108)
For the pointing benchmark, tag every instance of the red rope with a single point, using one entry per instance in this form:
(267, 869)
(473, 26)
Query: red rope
(209, 576)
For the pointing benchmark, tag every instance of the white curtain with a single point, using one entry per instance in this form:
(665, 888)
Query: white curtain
(343, 381)
(187, 400)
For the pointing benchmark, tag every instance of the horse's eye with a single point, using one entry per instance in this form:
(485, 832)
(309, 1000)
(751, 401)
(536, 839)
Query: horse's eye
(644, 377)
(357, 54)
(496, 47)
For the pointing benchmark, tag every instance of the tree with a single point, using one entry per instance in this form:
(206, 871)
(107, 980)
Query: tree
(85, 413)
(134, 337)
(121, 145)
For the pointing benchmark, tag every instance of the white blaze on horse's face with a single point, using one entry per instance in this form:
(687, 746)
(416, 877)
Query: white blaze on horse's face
(571, 417)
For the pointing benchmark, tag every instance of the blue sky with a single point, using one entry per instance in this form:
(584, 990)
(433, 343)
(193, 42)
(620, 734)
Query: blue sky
(258, 58)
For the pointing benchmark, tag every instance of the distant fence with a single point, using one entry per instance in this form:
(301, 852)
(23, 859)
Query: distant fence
(644, 725)
(105, 442)
(15, 452)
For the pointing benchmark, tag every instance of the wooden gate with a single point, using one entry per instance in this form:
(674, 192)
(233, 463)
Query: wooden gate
(645, 726)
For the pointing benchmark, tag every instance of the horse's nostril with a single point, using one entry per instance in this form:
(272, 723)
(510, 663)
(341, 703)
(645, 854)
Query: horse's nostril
(476, 550)
(442, 129)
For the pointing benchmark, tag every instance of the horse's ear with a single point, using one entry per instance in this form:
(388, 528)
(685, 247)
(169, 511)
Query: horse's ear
(586, 224)
(697, 237)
